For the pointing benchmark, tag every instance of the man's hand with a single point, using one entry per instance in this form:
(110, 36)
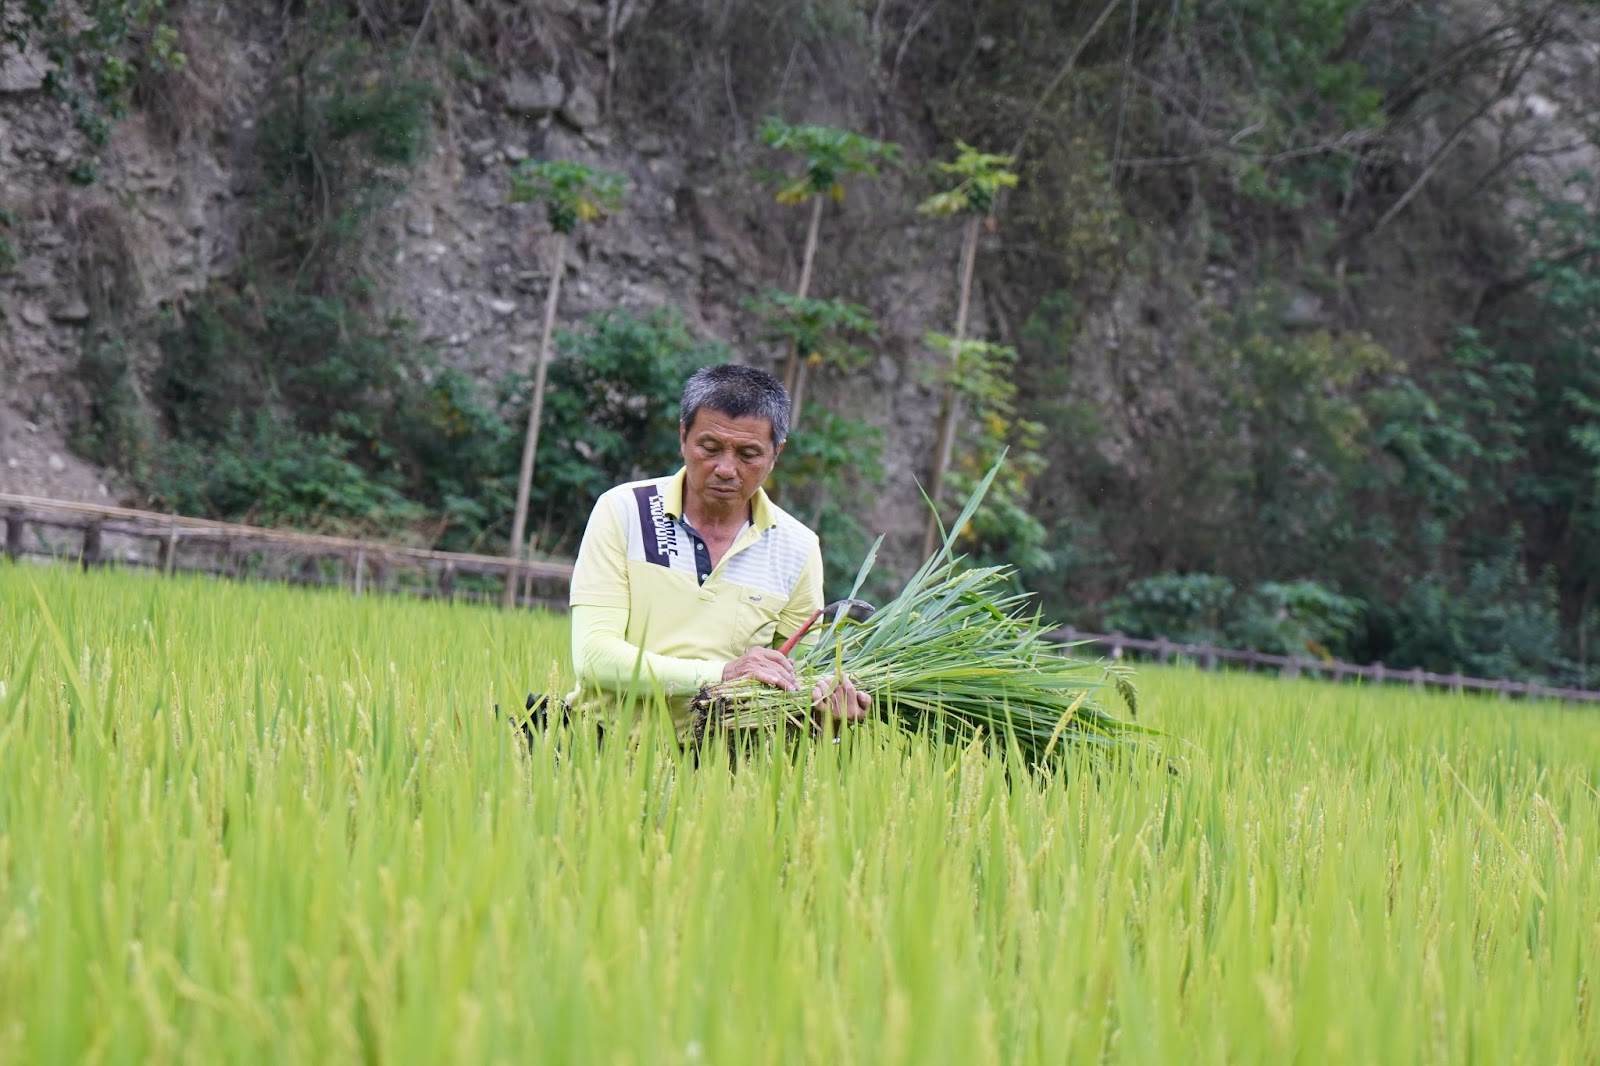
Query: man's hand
(839, 697)
(766, 666)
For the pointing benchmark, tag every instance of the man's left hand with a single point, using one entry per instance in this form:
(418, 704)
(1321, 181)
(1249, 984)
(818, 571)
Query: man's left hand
(839, 697)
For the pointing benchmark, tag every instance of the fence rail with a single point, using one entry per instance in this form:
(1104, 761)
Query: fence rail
(98, 535)
(1162, 650)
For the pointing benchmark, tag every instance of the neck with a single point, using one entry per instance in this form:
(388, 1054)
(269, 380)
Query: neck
(722, 520)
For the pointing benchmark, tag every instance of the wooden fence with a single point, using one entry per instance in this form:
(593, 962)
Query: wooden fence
(1162, 650)
(96, 535)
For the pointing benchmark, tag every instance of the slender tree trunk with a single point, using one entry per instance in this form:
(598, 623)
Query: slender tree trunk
(948, 408)
(530, 444)
(794, 371)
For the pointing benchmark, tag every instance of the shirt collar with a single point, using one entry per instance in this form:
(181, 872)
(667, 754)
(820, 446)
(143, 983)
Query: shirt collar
(762, 514)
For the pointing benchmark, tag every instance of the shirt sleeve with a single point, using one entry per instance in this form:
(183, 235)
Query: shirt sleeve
(604, 658)
(600, 574)
(805, 601)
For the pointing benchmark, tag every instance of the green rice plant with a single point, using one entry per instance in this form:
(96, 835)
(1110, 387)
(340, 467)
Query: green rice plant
(958, 653)
(264, 824)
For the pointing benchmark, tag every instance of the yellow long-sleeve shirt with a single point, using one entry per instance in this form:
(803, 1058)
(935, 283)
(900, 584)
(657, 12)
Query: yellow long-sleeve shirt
(643, 621)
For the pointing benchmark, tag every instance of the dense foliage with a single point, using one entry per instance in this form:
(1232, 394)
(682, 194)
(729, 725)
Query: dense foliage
(1286, 311)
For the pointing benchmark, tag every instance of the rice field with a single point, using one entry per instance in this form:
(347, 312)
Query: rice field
(256, 824)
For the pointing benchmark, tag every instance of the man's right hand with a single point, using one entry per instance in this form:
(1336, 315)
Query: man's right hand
(766, 666)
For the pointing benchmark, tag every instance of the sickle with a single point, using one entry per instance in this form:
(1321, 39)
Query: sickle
(855, 610)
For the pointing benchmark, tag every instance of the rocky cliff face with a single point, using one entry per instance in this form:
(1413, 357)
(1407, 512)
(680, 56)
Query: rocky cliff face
(169, 214)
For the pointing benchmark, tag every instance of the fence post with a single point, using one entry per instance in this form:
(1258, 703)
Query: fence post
(1416, 677)
(361, 563)
(1379, 673)
(1163, 649)
(91, 544)
(167, 552)
(1292, 668)
(14, 525)
(447, 583)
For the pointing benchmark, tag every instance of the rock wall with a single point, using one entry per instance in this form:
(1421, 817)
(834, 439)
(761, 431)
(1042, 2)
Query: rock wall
(698, 233)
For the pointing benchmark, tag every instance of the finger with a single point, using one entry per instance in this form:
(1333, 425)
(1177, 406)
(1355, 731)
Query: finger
(779, 664)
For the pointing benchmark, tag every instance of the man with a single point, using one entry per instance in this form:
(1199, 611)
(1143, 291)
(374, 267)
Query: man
(695, 578)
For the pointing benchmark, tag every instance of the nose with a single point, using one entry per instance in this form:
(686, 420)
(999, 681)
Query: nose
(725, 467)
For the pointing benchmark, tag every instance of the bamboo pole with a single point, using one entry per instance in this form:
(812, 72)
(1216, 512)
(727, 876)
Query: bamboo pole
(794, 371)
(530, 444)
(948, 407)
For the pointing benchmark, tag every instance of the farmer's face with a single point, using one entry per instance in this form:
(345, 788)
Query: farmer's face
(727, 460)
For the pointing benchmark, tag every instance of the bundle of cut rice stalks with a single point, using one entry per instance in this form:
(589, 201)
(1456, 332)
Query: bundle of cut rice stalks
(957, 653)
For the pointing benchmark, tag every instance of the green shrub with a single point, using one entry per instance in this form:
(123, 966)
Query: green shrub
(319, 361)
(114, 429)
(610, 414)
(459, 456)
(1293, 618)
(1498, 622)
(1191, 608)
(1277, 617)
(335, 147)
(267, 471)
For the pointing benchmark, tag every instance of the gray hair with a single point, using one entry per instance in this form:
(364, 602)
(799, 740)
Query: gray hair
(737, 391)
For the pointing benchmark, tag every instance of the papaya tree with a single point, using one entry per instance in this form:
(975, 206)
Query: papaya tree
(830, 154)
(572, 194)
(982, 376)
(819, 332)
(981, 177)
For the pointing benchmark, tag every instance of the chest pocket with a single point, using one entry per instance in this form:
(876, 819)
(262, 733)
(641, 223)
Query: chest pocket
(758, 616)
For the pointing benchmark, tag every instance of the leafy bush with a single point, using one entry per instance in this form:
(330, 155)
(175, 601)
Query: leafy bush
(334, 149)
(1293, 618)
(1191, 608)
(115, 429)
(283, 349)
(610, 413)
(459, 457)
(268, 471)
(1277, 617)
(1496, 623)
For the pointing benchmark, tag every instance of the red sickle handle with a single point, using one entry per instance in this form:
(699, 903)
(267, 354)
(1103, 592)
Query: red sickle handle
(789, 644)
